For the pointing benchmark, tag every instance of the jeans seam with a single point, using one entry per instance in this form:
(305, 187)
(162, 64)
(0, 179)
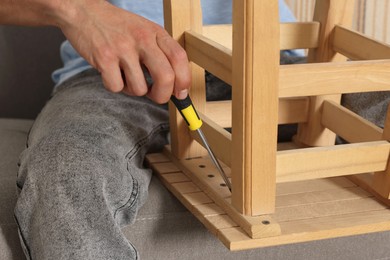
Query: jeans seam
(130, 155)
(133, 198)
(138, 145)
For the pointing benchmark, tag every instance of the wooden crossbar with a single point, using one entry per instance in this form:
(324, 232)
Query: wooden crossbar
(212, 49)
(340, 160)
(303, 35)
(358, 46)
(291, 165)
(218, 138)
(291, 110)
(334, 78)
(210, 55)
(350, 126)
(299, 79)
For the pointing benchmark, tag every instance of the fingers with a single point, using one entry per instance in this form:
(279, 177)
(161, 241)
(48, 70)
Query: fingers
(134, 76)
(179, 63)
(162, 74)
(165, 60)
(111, 76)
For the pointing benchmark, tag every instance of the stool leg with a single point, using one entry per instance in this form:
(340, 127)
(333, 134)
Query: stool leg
(180, 16)
(329, 13)
(381, 180)
(255, 105)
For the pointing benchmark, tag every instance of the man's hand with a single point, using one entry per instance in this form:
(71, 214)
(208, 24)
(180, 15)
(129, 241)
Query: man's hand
(116, 42)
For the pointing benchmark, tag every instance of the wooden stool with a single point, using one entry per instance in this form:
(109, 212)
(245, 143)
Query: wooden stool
(282, 193)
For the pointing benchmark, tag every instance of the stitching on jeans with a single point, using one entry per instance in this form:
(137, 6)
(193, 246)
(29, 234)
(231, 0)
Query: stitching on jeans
(133, 197)
(160, 128)
(130, 155)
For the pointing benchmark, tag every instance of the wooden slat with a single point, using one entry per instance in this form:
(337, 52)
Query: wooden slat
(309, 163)
(315, 185)
(156, 158)
(321, 162)
(324, 209)
(212, 50)
(301, 35)
(175, 177)
(315, 197)
(311, 229)
(350, 126)
(220, 112)
(333, 78)
(291, 110)
(358, 46)
(210, 55)
(218, 138)
(254, 226)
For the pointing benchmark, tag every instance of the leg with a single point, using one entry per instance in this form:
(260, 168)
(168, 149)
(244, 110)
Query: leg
(81, 177)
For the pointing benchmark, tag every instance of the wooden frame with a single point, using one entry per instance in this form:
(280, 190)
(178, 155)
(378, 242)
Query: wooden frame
(276, 186)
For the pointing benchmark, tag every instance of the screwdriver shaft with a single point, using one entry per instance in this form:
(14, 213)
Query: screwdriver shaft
(214, 159)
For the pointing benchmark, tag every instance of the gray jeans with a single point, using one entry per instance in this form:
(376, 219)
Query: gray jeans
(81, 177)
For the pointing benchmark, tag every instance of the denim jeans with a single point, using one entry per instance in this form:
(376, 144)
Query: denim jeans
(81, 177)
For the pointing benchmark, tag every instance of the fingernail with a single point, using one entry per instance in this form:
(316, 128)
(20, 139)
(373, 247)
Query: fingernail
(182, 94)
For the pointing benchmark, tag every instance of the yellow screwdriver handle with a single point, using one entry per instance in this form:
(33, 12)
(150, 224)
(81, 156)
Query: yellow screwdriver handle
(187, 110)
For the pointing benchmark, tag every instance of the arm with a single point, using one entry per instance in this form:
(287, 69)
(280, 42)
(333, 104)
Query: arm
(113, 41)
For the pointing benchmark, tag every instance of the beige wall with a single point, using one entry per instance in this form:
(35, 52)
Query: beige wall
(371, 16)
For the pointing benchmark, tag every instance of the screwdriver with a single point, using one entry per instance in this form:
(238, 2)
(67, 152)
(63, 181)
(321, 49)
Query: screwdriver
(187, 110)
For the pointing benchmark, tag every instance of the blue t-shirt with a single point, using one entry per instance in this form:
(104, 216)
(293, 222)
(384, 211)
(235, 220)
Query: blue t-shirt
(214, 12)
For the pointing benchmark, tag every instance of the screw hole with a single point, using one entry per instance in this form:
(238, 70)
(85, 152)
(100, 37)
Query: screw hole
(223, 184)
(210, 176)
(202, 166)
(266, 222)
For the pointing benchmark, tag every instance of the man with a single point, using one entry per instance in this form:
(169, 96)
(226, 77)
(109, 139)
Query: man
(81, 177)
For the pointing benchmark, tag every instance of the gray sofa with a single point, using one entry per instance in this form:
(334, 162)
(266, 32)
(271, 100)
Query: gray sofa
(164, 228)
